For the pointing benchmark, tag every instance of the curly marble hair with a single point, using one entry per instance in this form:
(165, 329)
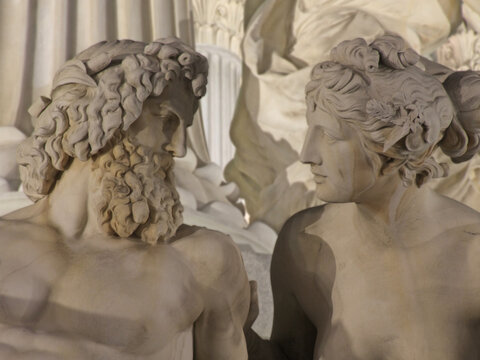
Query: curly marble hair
(99, 92)
(402, 113)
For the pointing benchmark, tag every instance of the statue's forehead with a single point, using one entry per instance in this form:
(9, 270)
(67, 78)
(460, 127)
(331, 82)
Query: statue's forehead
(322, 118)
(176, 98)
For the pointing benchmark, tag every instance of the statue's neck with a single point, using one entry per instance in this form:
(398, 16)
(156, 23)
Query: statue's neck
(66, 207)
(68, 202)
(394, 208)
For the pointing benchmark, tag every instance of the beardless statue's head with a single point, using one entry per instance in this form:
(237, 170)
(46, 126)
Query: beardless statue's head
(95, 99)
(400, 113)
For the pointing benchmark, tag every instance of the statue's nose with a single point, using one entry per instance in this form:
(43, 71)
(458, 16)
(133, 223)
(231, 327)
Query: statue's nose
(310, 153)
(178, 143)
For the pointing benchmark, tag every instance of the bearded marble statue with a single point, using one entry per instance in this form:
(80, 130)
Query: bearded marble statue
(100, 266)
(388, 269)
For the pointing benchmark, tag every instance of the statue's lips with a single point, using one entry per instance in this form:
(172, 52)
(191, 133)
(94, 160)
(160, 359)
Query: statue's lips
(318, 178)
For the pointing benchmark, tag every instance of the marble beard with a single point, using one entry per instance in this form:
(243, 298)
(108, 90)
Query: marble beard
(136, 193)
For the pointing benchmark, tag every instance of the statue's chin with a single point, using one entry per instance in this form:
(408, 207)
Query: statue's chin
(325, 192)
(134, 193)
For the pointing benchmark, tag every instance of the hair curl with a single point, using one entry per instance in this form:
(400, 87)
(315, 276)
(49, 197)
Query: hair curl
(94, 95)
(462, 139)
(402, 112)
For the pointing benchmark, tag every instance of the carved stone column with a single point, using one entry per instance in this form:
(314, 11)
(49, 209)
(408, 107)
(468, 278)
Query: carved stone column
(218, 28)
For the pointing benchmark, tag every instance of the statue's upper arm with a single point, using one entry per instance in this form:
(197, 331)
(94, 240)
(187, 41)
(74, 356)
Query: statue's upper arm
(226, 298)
(302, 274)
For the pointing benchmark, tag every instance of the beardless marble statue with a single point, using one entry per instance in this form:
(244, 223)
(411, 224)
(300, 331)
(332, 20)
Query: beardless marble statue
(101, 267)
(388, 269)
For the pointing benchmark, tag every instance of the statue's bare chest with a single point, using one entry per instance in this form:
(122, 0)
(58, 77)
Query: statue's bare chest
(125, 300)
(129, 300)
(391, 303)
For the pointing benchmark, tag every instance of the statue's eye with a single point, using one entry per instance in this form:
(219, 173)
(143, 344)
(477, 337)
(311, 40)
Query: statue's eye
(327, 135)
(330, 138)
(170, 123)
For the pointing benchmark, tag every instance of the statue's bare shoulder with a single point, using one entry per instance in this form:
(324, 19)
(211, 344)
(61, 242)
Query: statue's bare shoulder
(299, 246)
(458, 256)
(472, 261)
(23, 243)
(32, 260)
(214, 259)
(471, 250)
(218, 269)
(459, 238)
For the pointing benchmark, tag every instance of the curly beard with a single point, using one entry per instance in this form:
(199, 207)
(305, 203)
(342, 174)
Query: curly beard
(134, 193)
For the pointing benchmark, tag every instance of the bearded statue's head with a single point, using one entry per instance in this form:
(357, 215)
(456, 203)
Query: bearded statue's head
(96, 100)
(134, 192)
